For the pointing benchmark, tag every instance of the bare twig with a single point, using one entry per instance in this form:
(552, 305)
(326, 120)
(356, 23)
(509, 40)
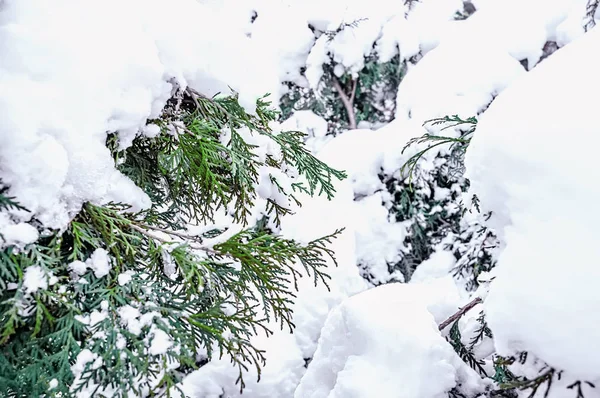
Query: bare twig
(460, 313)
(347, 101)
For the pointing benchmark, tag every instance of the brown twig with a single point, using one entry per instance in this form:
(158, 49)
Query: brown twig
(347, 101)
(460, 313)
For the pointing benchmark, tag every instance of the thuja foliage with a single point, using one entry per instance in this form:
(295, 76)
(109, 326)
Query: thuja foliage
(128, 303)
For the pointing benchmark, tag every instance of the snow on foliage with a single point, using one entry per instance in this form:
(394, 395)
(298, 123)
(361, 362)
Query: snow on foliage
(531, 163)
(66, 81)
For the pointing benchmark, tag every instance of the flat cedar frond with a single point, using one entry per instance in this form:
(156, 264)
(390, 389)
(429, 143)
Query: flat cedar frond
(318, 174)
(114, 280)
(269, 263)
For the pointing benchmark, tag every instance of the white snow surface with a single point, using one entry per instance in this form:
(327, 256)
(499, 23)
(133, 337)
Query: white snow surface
(66, 81)
(532, 162)
(395, 351)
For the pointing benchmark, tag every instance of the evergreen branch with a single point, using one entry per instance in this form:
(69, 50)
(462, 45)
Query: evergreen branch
(9, 202)
(317, 173)
(111, 269)
(481, 332)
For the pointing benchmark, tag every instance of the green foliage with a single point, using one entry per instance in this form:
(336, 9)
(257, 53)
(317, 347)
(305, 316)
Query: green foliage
(465, 352)
(373, 91)
(457, 145)
(198, 170)
(91, 331)
(8, 202)
(377, 87)
(429, 216)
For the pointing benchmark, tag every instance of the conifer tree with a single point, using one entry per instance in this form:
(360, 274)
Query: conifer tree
(124, 303)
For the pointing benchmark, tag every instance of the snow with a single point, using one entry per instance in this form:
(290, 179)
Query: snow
(160, 342)
(125, 277)
(535, 172)
(78, 267)
(56, 115)
(52, 384)
(364, 353)
(457, 77)
(438, 265)
(99, 263)
(18, 234)
(531, 163)
(133, 319)
(35, 278)
(379, 239)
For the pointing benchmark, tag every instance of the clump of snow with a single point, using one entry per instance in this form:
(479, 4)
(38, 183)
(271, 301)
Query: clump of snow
(396, 351)
(125, 277)
(78, 267)
(160, 342)
(438, 265)
(133, 319)
(37, 278)
(52, 384)
(84, 358)
(18, 234)
(99, 263)
(457, 77)
(354, 27)
(379, 239)
(532, 162)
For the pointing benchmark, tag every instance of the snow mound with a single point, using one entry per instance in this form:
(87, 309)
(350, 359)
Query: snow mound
(532, 162)
(396, 351)
(66, 81)
(457, 77)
